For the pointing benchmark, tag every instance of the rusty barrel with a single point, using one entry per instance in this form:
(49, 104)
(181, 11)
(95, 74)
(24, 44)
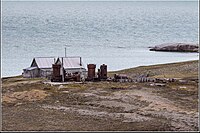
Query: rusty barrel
(91, 71)
(103, 70)
(56, 70)
(56, 76)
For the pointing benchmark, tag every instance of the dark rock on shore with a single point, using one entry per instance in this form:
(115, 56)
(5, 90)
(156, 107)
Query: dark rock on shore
(176, 47)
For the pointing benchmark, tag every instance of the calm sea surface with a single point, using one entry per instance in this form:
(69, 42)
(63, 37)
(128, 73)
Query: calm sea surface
(115, 33)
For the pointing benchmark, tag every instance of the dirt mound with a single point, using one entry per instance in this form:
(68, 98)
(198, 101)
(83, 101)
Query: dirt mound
(31, 95)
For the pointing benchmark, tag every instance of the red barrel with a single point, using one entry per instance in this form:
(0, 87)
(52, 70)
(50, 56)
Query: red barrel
(56, 70)
(91, 71)
(103, 70)
(56, 76)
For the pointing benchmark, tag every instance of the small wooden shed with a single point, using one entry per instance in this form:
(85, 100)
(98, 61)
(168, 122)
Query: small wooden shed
(40, 67)
(30, 72)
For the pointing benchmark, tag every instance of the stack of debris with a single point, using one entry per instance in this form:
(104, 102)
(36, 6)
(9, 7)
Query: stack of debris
(122, 78)
(73, 77)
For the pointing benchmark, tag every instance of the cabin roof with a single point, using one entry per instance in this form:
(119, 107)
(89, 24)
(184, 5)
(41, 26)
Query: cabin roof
(43, 62)
(71, 62)
(30, 68)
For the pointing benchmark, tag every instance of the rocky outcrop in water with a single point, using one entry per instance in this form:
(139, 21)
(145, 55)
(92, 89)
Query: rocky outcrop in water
(176, 47)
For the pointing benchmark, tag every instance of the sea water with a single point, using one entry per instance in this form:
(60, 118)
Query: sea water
(114, 33)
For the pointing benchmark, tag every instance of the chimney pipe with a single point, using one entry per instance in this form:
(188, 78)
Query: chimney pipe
(80, 62)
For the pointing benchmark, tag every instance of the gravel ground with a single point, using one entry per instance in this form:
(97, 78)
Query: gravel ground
(100, 106)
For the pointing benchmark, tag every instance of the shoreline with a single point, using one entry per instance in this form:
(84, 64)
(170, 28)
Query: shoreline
(160, 64)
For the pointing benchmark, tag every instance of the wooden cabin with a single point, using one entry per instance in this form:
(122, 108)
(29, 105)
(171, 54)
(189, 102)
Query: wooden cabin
(40, 67)
(72, 65)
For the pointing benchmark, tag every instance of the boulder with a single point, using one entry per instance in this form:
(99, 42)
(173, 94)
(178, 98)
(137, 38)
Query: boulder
(176, 47)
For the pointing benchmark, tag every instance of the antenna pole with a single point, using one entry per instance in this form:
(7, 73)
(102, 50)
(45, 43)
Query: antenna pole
(62, 71)
(65, 51)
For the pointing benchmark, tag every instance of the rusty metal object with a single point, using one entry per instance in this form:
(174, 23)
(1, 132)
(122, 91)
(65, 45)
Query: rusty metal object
(56, 69)
(56, 73)
(73, 77)
(120, 76)
(103, 71)
(91, 71)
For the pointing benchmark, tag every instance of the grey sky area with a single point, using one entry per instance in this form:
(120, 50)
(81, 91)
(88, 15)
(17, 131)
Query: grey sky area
(99, 0)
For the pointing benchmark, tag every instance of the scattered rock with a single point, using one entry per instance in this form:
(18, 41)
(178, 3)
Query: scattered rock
(65, 91)
(57, 101)
(182, 87)
(17, 104)
(158, 84)
(60, 87)
(183, 81)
